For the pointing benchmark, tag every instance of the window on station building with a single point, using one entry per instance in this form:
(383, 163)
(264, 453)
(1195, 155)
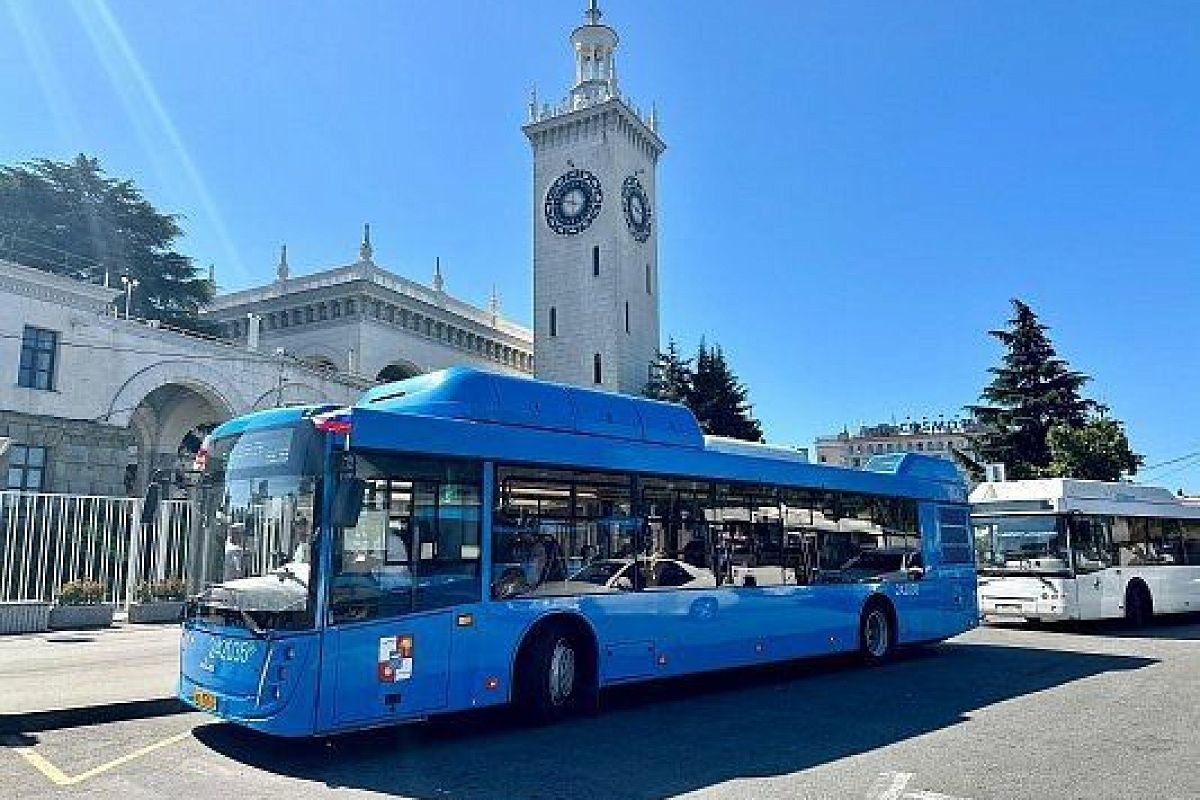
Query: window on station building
(39, 357)
(596, 260)
(627, 316)
(553, 321)
(26, 468)
(649, 287)
(597, 369)
(417, 542)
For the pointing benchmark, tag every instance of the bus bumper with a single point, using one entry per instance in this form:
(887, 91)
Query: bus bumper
(271, 691)
(1025, 599)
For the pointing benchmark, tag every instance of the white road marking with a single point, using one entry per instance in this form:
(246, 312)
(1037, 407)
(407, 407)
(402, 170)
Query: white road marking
(893, 785)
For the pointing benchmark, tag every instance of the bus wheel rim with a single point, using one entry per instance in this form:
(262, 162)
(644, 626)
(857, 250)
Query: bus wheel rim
(562, 672)
(877, 633)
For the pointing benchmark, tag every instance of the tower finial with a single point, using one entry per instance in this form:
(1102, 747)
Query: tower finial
(364, 250)
(281, 271)
(438, 284)
(594, 13)
(494, 304)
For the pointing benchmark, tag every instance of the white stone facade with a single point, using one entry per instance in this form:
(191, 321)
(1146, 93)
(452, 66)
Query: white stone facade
(366, 321)
(613, 314)
(125, 393)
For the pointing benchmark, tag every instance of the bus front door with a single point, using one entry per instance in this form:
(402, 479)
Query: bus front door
(1100, 594)
(395, 668)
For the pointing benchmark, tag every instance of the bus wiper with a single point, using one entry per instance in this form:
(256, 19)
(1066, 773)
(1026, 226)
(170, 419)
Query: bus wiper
(286, 572)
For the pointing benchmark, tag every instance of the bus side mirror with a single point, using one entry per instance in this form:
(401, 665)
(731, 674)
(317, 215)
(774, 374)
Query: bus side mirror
(347, 503)
(150, 503)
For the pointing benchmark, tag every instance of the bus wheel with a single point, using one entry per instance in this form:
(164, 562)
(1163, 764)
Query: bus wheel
(1139, 606)
(551, 678)
(876, 632)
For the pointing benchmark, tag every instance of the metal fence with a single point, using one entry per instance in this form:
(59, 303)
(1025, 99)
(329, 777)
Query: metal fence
(48, 540)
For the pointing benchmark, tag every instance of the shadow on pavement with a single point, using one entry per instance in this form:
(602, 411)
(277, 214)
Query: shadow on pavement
(672, 737)
(39, 721)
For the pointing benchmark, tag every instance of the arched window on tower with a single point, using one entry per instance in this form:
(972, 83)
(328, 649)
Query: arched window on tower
(627, 316)
(649, 289)
(595, 260)
(597, 369)
(553, 321)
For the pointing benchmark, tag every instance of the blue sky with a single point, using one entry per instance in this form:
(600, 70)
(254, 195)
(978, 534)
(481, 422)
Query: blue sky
(851, 194)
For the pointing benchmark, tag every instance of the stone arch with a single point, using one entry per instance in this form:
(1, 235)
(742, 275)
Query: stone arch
(167, 425)
(398, 371)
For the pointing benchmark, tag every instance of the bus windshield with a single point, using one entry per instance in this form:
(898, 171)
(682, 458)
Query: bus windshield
(1026, 543)
(250, 559)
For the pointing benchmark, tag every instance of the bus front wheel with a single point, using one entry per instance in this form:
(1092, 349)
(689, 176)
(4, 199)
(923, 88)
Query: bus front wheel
(552, 677)
(1139, 606)
(877, 632)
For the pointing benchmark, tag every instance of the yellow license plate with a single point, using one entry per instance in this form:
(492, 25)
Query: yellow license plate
(205, 700)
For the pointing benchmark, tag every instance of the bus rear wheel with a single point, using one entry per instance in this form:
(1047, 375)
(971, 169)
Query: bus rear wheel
(876, 632)
(552, 676)
(1139, 606)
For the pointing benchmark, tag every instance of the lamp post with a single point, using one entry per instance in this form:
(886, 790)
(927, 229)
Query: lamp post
(130, 283)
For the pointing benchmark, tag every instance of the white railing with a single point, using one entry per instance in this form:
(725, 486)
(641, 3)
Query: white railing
(48, 540)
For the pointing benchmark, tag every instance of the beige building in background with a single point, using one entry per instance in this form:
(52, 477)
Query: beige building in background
(933, 438)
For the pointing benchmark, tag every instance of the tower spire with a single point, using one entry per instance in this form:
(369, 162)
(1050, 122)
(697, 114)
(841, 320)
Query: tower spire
(595, 63)
(494, 304)
(365, 251)
(281, 271)
(438, 284)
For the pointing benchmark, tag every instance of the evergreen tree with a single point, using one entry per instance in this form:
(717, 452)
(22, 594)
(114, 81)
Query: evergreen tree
(671, 377)
(1034, 392)
(719, 400)
(1031, 391)
(71, 219)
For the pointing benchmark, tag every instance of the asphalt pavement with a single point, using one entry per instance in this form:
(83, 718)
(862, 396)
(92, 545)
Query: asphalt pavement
(997, 713)
(72, 670)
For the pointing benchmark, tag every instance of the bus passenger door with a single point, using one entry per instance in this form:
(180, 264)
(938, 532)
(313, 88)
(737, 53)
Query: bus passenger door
(391, 668)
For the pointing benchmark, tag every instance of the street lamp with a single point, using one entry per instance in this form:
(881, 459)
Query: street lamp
(129, 284)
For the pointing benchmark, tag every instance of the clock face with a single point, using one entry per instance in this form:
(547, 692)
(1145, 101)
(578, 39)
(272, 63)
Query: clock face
(573, 202)
(637, 208)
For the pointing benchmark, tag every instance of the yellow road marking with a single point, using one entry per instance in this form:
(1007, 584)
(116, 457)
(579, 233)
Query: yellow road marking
(60, 778)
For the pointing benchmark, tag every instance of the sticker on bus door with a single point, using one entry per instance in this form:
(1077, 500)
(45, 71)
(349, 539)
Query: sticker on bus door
(395, 659)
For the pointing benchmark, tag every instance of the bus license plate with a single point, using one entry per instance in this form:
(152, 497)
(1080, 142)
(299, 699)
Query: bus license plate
(204, 700)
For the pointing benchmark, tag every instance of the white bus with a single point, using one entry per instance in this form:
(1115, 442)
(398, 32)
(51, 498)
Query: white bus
(1063, 549)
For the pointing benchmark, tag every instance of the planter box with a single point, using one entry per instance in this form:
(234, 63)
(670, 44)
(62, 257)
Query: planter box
(70, 618)
(24, 617)
(156, 611)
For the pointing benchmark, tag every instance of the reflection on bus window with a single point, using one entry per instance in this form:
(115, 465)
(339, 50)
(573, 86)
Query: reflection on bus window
(417, 542)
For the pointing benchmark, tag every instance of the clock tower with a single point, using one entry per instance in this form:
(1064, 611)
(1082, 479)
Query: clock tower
(595, 239)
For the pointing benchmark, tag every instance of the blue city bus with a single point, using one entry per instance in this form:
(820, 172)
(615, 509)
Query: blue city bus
(464, 539)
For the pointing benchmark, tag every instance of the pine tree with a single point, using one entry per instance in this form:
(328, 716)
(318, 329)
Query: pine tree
(72, 219)
(1032, 391)
(719, 400)
(671, 376)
